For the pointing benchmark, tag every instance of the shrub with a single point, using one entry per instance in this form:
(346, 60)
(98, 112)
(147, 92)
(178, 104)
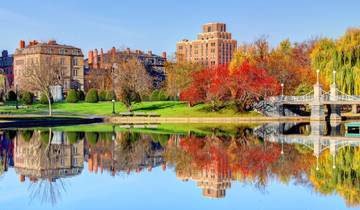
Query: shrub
(27, 134)
(44, 99)
(154, 95)
(102, 95)
(92, 137)
(92, 96)
(80, 95)
(11, 96)
(110, 95)
(73, 137)
(72, 96)
(27, 98)
(158, 95)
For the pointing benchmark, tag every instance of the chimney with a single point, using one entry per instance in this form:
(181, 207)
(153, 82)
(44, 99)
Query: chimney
(95, 60)
(52, 42)
(113, 52)
(101, 58)
(164, 55)
(150, 52)
(22, 177)
(90, 57)
(128, 50)
(22, 44)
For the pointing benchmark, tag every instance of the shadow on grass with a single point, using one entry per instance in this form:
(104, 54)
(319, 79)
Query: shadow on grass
(155, 107)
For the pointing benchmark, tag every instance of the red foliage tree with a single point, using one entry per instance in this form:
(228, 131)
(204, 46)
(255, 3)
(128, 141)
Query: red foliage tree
(242, 85)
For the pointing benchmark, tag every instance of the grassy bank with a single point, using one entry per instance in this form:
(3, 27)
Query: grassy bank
(163, 108)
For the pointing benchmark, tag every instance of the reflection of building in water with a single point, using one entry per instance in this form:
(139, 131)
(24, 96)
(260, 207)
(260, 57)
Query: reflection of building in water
(115, 157)
(213, 179)
(36, 159)
(6, 152)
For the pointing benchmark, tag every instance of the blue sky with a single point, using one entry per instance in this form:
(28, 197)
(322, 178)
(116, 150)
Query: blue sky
(158, 24)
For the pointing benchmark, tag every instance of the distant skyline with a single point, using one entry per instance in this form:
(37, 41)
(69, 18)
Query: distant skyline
(157, 25)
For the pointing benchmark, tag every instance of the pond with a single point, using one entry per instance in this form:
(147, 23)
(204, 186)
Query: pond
(242, 166)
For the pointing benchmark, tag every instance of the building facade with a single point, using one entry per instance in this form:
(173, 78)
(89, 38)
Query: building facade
(69, 58)
(214, 46)
(6, 67)
(36, 161)
(102, 62)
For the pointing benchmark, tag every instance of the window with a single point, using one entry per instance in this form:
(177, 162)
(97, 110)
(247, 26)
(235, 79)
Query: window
(75, 62)
(62, 51)
(62, 61)
(75, 72)
(212, 44)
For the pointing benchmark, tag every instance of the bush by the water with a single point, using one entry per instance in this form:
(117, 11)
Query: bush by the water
(11, 96)
(72, 96)
(27, 98)
(80, 95)
(44, 99)
(92, 96)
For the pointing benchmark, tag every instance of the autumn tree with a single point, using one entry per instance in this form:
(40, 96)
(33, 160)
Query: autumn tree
(219, 85)
(40, 75)
(178, 77)
(288, 63)
(132, 82)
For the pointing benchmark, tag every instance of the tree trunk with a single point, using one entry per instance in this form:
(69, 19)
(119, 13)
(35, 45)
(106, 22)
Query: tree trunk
(50, 111)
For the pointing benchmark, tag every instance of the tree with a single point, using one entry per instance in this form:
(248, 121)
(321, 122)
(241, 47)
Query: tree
(11, 96)
(343, 56)
(27, 98)
(178, 77)
(92, 96)
(132, 82)
(102, 95)
(288, 63)
(242, 85)
(72, 96)
(40, 74)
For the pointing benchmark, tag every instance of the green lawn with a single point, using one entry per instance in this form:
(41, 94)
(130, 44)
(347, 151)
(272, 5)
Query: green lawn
(164, 108)
(200, 129)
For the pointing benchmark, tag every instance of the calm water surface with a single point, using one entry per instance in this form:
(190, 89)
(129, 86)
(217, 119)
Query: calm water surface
(270, 166)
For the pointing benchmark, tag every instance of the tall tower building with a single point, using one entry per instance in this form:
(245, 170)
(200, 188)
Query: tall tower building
(214, 46)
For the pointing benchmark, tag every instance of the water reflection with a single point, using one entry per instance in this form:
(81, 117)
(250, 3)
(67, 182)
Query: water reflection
(318, 156)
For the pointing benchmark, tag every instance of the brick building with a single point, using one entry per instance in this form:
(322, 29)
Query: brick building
(102, 62)
(214, 46)
(6, 67)
(70, 58)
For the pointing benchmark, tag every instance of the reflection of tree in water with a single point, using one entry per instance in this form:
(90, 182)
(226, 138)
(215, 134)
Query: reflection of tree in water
(238, 156)
(130, 151)
(340, 175)
(47, 191)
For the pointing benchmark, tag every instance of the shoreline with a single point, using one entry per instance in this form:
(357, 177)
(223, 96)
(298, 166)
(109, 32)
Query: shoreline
(226, 120)
(25, 122)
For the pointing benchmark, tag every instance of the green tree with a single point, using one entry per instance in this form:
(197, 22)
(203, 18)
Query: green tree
(27, 98)
(92, 96)
(102, 95)
(11, 96)
(72, 96)
(342, 55)
(80, 95)
(44, 100)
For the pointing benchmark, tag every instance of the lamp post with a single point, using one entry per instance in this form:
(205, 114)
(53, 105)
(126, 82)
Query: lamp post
(114, 66)
(317, 76)
(282, 90)
(334, 77)
(17, 97)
